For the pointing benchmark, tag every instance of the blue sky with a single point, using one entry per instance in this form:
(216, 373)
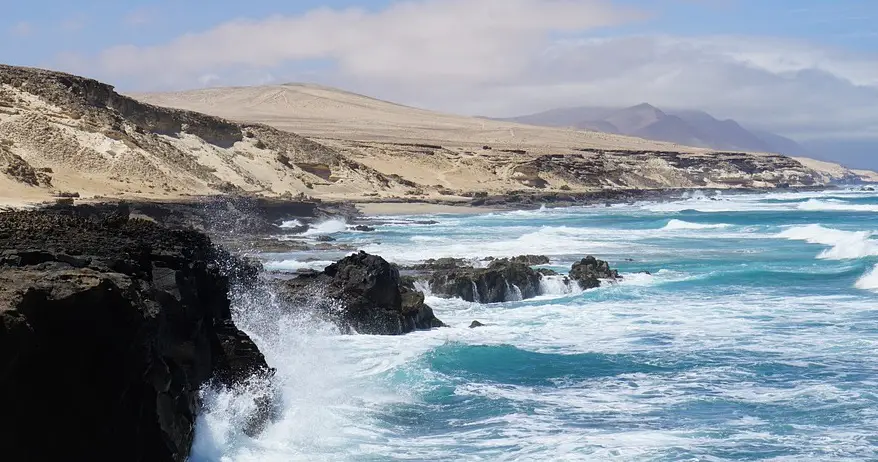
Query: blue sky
(747, 59)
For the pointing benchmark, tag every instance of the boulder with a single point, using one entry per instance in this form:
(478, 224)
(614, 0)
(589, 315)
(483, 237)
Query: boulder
(589, 271)
(109, 328)
(363, 293)
(364, 228)
(476, 324)
(501, 281)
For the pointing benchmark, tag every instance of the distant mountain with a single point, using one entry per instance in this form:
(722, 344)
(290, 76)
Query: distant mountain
(686, 127)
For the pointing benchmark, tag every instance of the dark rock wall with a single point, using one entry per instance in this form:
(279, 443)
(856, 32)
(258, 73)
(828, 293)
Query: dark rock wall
(108, 329)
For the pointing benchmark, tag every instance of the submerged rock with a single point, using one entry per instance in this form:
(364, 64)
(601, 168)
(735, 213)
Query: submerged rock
(363, 293)
(589, 271)
(501, 281)
(476, 324)
(109, 327)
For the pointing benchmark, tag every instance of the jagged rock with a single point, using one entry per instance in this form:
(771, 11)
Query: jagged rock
(530, 260)
(476, 324)
(109, 327)
(363, 293)
(501, 281)
(589, 271)
(440, 264)
(364, 228)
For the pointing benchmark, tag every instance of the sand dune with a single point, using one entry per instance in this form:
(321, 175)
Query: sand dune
(321, 112)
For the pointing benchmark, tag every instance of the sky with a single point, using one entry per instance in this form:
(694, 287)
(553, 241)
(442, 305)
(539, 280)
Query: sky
(802, 68)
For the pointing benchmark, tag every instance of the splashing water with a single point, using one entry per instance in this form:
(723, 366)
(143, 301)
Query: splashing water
(754, 340)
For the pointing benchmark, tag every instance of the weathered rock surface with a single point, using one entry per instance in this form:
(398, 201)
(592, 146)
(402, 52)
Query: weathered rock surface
(363, 293)
(109, 326)
(589, 271)
(530, 260)
(501, 281)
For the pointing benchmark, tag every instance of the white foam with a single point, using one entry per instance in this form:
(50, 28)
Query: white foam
(680, 224)
(869, 281)
(323, 228)
(291, 224)
(295, 265)
(844, 245)
(558, 286)
(832, 205)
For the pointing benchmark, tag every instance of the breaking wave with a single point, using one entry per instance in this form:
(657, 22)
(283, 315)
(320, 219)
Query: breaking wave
(844, 245)
(327, 227)
(680, 224)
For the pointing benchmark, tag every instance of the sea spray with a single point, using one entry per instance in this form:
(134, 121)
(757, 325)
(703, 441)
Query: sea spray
(843, 245)
(327, 227)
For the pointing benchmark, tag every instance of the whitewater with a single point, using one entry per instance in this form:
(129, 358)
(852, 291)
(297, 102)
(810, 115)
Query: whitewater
(745, 328)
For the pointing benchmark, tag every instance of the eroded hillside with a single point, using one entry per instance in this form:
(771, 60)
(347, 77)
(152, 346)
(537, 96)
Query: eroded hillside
(61, 133)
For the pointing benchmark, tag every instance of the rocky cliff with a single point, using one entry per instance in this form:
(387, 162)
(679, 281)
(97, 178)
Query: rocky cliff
(109, 327)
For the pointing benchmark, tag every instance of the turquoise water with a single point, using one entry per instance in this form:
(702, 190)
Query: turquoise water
(753, 338)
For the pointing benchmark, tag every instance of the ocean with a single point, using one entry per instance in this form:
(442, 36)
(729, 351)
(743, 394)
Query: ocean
(745, 328)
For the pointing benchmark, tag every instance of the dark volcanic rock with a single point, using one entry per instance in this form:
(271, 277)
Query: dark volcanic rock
(501, 281)
(589, 271)
(476, 324)
(364, 228)
(108, 329)
(363, 293)
(530, 260)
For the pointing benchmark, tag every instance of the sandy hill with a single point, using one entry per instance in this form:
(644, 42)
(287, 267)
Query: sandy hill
(63, 133)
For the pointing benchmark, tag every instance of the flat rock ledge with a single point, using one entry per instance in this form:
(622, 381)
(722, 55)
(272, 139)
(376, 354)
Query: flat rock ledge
(109, 327)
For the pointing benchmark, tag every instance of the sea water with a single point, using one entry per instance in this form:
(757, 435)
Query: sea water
(745, 328)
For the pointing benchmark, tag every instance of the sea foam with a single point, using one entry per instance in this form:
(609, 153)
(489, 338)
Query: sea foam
(327, 227)
(844, 245)
(680, 224)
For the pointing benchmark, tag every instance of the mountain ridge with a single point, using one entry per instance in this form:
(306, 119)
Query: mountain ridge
(683, 126)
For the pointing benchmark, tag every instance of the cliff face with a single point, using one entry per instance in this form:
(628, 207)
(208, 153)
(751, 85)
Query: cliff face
(108, 329)
(98, 142)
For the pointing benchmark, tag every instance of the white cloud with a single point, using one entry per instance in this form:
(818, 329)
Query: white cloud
(469, 40)
(508, 57)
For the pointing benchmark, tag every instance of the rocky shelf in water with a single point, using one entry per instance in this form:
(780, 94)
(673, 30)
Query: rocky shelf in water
(506, 279)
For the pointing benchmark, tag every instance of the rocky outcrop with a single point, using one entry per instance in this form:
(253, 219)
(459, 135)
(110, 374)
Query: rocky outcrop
(589, 271)
(501, 281)
(19, 170)
(109, 327)
(362, 293)
(530, 260)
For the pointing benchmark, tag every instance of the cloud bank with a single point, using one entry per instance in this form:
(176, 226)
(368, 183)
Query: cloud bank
(508, 57)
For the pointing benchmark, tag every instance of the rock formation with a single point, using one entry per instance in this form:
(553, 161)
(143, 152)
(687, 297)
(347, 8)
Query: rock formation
(362, 293)
(109, 327)
(589, 271)
(501, 281)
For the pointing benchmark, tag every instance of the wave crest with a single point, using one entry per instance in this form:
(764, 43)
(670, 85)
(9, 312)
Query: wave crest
(844, 245)
(680, 224)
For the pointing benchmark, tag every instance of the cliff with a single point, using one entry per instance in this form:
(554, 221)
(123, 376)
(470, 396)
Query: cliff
(109, 327)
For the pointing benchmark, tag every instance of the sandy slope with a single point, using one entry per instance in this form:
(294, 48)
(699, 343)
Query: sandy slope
(338, 117)
(321, 112)
(63, 133)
